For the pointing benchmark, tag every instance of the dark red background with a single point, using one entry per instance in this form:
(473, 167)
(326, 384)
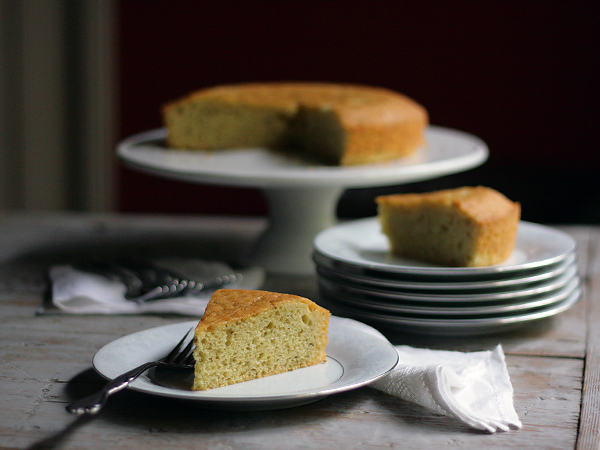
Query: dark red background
(522, 76)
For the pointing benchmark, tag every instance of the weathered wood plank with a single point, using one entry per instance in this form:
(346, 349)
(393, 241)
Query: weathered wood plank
(589, 428)
(547, 399)
(45, 362)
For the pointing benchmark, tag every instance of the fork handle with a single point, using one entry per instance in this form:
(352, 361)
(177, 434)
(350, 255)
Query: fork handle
(95, 402)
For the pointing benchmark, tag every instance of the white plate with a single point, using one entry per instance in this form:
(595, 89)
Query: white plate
(447, 151)
(360, 245)
(451, 308)
(449, 285)
(454, 327)
(356, 355)
(451, 296)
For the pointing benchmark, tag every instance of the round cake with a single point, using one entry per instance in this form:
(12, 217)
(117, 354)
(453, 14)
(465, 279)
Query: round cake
(335, 124)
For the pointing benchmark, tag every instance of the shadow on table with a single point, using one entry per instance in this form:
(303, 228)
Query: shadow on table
(511, 336)
(143, 412)
(413, 414)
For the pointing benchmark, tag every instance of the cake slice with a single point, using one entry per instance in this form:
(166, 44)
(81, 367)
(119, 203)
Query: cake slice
(248, 334)
(467, 226)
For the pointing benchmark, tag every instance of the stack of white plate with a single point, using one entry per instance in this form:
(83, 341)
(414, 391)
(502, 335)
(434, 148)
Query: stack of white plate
(359, 278)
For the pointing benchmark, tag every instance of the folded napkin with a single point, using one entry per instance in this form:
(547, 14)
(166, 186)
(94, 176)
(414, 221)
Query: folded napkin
(76, 291)
(473, 387)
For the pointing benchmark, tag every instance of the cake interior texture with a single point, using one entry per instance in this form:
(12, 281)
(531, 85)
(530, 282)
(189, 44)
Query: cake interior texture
(326, 123)
(463, 227)
(247, 334)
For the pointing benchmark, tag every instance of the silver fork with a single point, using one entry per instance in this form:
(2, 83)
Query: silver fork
(180, 356)
(146, 281)
(184, 287)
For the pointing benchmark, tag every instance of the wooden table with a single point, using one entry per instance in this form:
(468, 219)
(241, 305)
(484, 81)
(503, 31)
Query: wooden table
(46, 359)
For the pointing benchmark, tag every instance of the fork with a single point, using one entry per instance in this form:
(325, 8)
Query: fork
(183, 287)
(180, 356)
(145, 281)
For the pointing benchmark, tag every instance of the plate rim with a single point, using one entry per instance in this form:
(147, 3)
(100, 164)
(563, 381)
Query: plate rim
(543, 287)
(266, 401)
(399, 171)
(432, 287)
(480, 323)
(514, 306)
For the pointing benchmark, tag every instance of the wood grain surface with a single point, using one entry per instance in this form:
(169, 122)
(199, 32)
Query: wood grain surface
(45, 360)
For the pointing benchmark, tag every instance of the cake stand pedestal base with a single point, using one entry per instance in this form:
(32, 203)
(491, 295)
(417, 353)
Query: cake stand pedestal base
(297, 215)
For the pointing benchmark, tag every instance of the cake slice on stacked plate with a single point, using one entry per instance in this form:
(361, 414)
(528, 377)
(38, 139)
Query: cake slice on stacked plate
(361, 276)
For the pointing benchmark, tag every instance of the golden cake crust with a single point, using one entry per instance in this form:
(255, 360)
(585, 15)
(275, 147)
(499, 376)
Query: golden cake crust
(356, 104)
(481, 203)
(230, 305)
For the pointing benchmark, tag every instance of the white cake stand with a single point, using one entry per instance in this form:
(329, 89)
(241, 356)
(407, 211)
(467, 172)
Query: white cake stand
(302, 197)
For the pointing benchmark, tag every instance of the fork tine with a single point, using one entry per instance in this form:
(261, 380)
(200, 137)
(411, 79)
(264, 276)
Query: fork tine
(177, 350)
(183, 355)
(189, 361)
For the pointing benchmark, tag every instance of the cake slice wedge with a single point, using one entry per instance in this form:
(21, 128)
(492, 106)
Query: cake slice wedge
(248, 334)
(462, 227)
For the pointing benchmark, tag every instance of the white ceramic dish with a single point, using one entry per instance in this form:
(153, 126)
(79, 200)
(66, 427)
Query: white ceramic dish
(302, 197)
(448, 285)
(455, 308)
(360, 245)
(451, 295)
(356, 355)
(447, 151)
(448, 326)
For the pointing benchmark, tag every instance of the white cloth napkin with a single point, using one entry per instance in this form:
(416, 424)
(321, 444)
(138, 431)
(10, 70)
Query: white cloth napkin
(78, 292)
(472, 387)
